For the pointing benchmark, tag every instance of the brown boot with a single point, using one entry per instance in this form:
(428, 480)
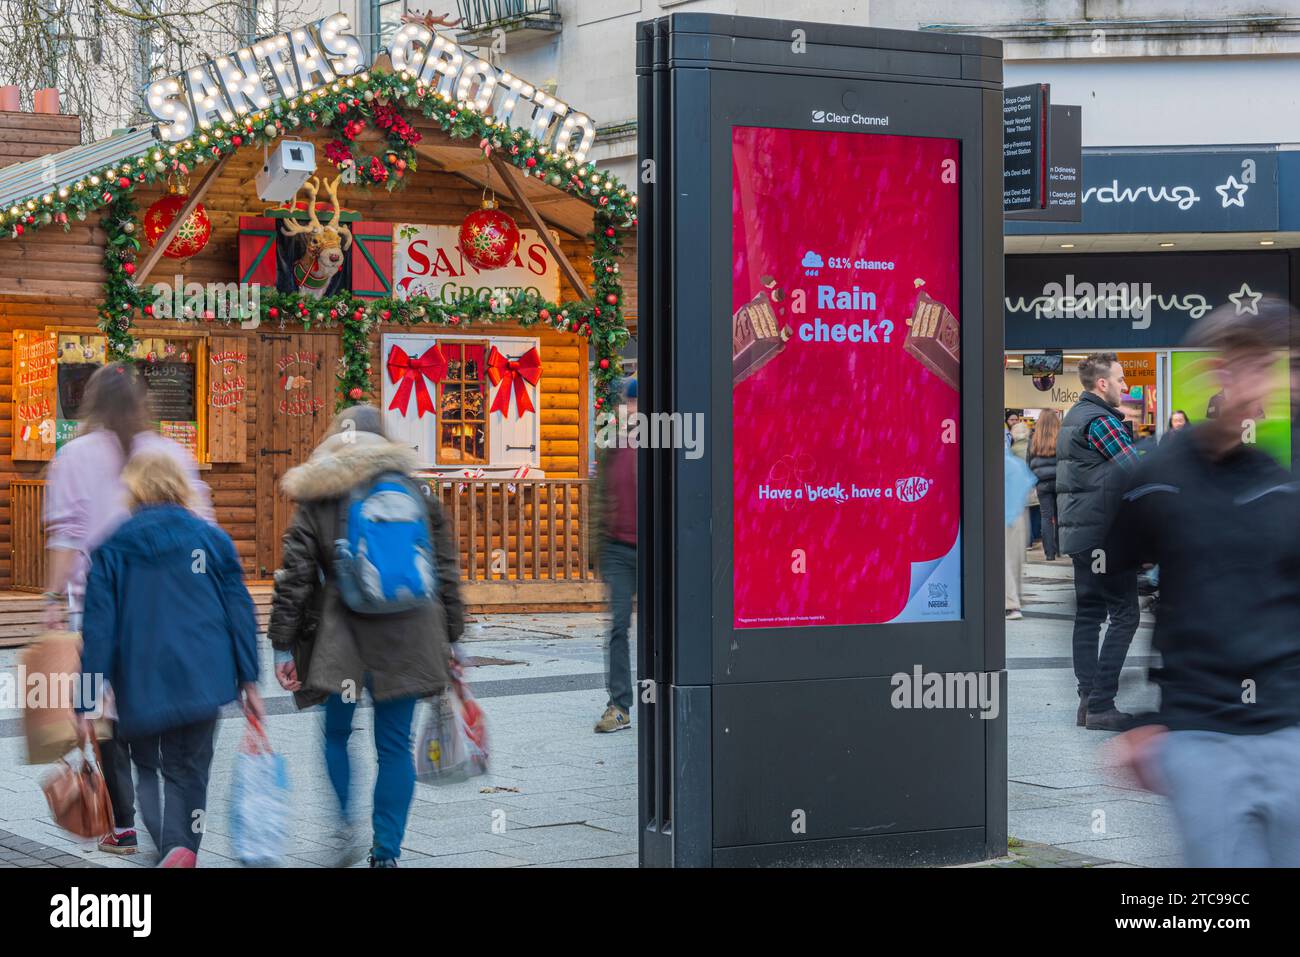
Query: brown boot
(614, 719)
(1110, 720)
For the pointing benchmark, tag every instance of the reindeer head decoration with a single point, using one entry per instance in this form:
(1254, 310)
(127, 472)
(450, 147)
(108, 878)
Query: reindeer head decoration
(326, 245)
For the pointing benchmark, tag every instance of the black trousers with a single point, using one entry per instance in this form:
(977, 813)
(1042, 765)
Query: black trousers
(173, 783)
(1047, 510)
(1097, 664)
(115, 762)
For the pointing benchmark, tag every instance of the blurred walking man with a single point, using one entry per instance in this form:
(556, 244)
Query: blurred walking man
(1094, 454)
(616, 521)
(1222, 519)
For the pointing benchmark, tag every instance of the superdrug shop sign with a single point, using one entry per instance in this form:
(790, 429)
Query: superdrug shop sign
(306, 58)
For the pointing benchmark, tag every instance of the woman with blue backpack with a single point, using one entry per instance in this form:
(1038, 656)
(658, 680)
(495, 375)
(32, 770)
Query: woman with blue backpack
(367, 596)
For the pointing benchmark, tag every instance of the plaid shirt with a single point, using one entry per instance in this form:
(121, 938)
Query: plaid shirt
(1109, 437)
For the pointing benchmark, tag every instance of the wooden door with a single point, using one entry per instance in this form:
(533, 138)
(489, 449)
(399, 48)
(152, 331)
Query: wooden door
(294, 409)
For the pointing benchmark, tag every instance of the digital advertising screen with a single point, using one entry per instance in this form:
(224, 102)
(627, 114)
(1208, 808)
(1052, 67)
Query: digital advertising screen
(846, 378)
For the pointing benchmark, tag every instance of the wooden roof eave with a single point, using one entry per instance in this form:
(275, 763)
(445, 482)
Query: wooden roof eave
(463, 158)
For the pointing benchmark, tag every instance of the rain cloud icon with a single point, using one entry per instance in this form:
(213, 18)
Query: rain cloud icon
(811, 263)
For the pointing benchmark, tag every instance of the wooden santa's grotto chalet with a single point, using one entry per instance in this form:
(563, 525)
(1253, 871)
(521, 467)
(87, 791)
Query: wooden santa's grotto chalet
(305, 229)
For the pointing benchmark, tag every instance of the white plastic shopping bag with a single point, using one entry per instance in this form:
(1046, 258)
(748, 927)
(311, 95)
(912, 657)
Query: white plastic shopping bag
(259, 825)
(453, 744)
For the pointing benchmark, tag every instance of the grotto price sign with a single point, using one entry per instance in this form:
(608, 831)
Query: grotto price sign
(846, 296)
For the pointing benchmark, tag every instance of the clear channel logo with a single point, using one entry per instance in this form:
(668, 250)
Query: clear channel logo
(854, 119)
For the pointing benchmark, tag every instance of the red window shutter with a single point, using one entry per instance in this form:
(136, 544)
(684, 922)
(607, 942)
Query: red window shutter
(372, 259)
(257, 250)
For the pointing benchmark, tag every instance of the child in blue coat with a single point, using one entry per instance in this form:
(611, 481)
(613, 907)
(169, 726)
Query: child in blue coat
(171, 627)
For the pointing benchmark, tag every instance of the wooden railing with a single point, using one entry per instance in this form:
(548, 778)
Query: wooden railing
(27, 533)
(505, 529)
(520, 529)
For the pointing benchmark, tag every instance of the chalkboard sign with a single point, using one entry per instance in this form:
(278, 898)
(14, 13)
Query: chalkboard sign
(73, 377)
(171, 388)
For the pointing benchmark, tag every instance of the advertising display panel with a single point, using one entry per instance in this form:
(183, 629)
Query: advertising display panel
(846, 374)
(820, 272)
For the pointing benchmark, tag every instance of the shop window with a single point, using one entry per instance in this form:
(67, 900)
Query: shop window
(448, 377)
(78, 358)
(462, 405)
(385, 21)
(52, 403)
(174, 370)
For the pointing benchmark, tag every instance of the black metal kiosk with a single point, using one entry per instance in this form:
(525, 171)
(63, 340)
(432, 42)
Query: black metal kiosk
(821, 639)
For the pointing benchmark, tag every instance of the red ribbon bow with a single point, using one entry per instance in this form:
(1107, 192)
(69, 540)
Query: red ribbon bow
(412, 373)
(517, 372)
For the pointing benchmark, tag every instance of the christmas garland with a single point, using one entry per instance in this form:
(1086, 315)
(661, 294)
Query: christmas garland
(372, 98)
(121, 295)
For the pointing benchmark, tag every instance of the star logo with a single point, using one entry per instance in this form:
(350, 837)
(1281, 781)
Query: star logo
(1232, 186)
(1246, 300)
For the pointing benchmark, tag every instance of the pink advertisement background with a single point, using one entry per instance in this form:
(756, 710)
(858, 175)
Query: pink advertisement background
(822, 413)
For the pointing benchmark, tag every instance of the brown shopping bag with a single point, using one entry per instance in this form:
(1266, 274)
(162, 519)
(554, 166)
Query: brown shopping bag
(51, 668)
(78, 796)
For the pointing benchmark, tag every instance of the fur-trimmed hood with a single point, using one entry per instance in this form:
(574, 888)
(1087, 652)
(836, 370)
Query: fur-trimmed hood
(343, 461)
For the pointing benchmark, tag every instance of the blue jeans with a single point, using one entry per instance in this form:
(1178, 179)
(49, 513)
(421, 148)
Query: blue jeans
(618, 565)
(395, 783)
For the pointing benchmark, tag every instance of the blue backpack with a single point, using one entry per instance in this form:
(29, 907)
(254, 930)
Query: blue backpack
(383, 557)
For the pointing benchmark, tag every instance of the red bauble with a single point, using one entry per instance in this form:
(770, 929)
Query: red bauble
(190, 238)
(123, 182)
(604, 363)
(273, 312)
(544, 315)
(612, 299)
(488, 237)
(355, 394)
(610, 232)
(148, 310)
(128, 268)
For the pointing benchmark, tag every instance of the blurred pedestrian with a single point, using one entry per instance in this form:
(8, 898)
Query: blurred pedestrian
(1042, 462)
(325, 651)
(1009, 422)
(1220, 517)
(170, 672)
(85, 501)
(1020, 440)
(1177, 422)
(1018, 483)
(616, 530)
(1094, 455)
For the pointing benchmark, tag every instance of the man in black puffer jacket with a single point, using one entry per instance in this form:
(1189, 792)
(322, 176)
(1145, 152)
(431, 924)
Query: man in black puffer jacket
(1094, 455)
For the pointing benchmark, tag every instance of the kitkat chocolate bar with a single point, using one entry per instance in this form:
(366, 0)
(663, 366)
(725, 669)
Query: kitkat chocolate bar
(934, 339)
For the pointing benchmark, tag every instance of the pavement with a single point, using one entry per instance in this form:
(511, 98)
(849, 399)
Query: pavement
(558, 795)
